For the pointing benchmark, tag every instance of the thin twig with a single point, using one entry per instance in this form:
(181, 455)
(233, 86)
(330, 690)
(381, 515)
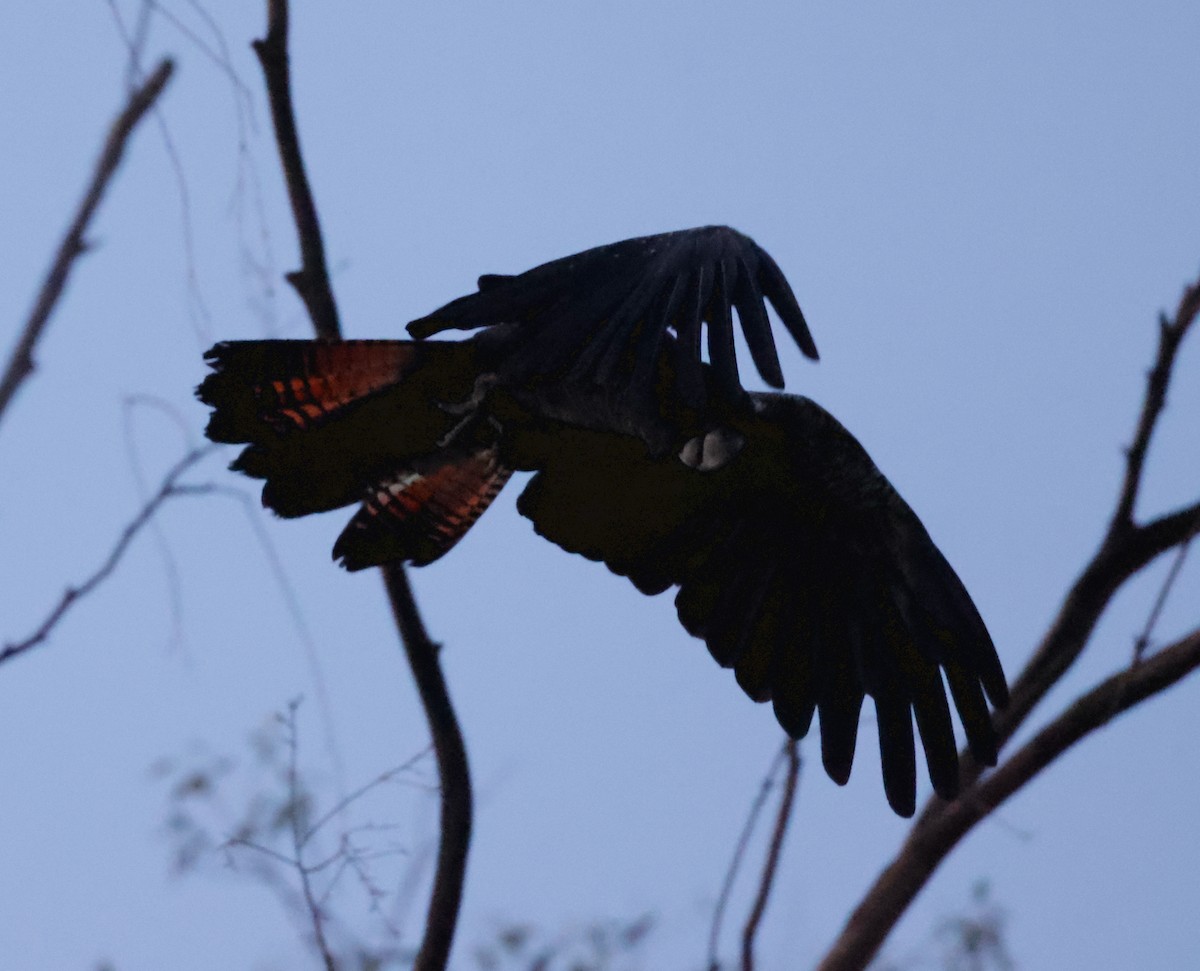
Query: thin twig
(298, 840)
(309, 902)
(21, 363)
(1125, 550)
(249, 844)
(134, 42)
(311, 282)
(739, 852)
(362, 790)
(1170, 335)
(1142, 643)
(771, 864)
(169, 488)
(219, 56)
(312, 279)
(253, 512)
(170, 566)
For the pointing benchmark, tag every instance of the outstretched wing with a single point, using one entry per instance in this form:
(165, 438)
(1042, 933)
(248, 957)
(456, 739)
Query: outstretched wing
(800, 567)
(600, 316)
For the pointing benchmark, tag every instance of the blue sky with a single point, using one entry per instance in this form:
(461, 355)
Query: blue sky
(981, 209)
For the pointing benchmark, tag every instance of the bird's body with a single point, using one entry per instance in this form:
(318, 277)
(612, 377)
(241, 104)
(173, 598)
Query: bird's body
(797, 562)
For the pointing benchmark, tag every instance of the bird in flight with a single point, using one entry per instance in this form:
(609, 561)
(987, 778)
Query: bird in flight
(796, 561)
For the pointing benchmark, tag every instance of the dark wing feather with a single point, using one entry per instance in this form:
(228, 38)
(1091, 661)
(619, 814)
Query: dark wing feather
(794, 672)
(600, 316)
(721, 352)
(799, 566)
(748, 298)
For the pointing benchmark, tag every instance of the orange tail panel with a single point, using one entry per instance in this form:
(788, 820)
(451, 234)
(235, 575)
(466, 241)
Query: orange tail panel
(422, 510)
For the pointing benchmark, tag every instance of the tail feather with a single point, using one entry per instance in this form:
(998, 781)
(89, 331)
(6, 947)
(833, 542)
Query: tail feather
(277, 386)
(324, 421)
(420, 511)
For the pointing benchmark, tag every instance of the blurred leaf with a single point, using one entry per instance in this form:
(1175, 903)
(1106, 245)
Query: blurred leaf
(513, 939)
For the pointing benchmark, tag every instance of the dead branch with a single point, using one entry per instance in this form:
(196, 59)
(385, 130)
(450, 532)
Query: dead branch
(1127, 548)
(170, 488)
(21, 363)
(453, 770)
(311, 282)
(1170, 335)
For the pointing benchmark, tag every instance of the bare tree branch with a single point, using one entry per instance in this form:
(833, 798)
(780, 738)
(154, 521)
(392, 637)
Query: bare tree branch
(1127, 548)
(21, 363)
(312, 284)
(1170, 334)
(453, 770)
(771, 864)
(1089, 712)
(170, 488)
(312, 279)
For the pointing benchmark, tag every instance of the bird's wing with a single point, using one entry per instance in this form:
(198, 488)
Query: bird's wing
(600, 316)
(800, 567)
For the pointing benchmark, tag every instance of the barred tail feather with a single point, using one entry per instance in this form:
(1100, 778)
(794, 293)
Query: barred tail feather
(259, 388)
(323, 421)
(418, 512)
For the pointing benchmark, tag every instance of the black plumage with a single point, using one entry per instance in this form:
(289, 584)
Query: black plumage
(796, 561)
(599, 317)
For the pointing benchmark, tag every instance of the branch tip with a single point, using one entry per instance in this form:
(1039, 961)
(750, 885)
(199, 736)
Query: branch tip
(21, 363)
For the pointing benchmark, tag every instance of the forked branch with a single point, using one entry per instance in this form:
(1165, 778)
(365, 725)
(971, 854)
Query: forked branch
(169, 489)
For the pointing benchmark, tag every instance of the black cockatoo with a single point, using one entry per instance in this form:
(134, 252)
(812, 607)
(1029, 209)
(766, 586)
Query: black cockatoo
(797, 562)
